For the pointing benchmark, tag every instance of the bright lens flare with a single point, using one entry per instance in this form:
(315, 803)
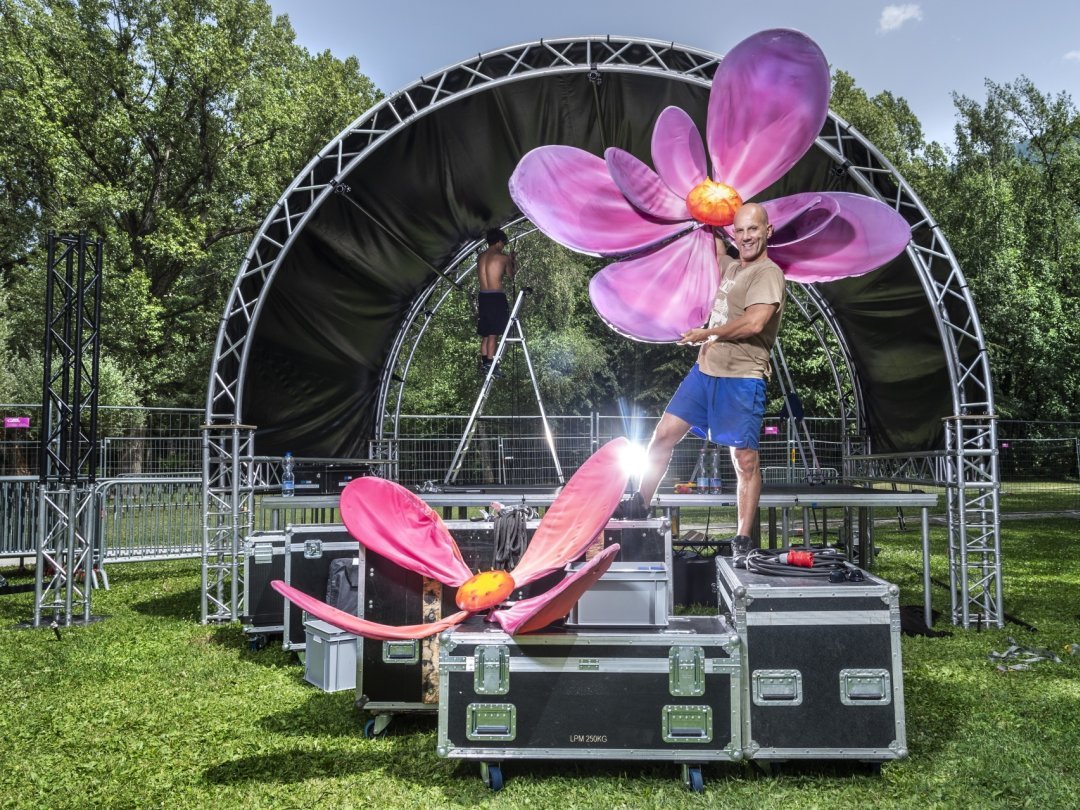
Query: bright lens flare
(634, 460)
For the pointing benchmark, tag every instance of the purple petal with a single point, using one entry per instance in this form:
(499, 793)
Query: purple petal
(569, 195)
(677, 151)
(863, 236)
(769, 100)
(658, 296)
(799, 216)
(643, 188)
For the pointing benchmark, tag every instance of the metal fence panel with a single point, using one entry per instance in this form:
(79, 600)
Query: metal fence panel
(149, 519)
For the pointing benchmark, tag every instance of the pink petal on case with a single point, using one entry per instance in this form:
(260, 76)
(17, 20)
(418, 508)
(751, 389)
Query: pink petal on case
(392, 521)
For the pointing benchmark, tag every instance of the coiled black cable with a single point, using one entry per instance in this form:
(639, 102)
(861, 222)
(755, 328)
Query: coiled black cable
(511, 531)
(771, 563)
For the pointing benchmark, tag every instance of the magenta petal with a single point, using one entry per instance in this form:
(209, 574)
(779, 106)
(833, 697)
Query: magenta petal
(362, 627)
(656, 297)
(800, 216)
(863, 236)
(577, 515)
(677, 151)
(569, 195)
(392, 521)
(539, 611)
(643, 188)
(769, 100)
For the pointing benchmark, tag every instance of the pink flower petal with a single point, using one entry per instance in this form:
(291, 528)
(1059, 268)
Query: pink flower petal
(577, 515)
(677, 151)
(769, 100)
(863, 236)
(658, 296)
(392, 521)
(362, 627)
(570, 196)
(537, 612)
(799, 217)
(643, 188)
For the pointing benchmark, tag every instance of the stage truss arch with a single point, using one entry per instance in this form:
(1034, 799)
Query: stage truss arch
(582, 70)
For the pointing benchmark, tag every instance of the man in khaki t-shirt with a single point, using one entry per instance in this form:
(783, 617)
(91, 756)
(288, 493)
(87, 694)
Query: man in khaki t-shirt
(723, 396)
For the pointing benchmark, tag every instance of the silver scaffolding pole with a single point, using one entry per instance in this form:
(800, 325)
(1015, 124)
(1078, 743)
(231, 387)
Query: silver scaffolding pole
(513, 333)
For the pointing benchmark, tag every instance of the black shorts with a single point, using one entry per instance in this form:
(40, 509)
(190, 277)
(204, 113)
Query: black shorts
(494, 313)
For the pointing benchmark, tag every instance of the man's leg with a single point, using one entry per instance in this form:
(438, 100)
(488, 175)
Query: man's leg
(747, 470)
(668, 433)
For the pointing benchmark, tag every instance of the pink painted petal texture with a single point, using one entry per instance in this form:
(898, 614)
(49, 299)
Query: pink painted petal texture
(577, 515)
(570, 196)
(864, 235)
(537, 612)
(656, 297)
(769, 100)
(677, 151)
(362, 627)
(643, 188)
(800, 216)
(392, 521)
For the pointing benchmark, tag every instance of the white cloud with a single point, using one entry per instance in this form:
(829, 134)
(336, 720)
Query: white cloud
(892, 17)
(1072, 56)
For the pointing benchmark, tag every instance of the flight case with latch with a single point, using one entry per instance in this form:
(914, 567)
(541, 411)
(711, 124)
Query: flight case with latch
(311, 551)
(660, 693)
(822, 675)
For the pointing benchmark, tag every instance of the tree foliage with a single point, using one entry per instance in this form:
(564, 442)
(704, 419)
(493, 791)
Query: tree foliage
(169, 128)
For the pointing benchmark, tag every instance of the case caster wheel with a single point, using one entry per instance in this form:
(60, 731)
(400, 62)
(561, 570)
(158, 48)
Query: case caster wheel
(492, 775)
(376, 726)
(693, 779)
(256, 642)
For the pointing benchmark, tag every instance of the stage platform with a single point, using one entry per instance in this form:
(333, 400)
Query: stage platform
(786, 511)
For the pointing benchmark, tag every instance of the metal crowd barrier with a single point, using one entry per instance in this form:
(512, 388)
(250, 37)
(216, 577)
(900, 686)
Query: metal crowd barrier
(149, 518)
(18, 516)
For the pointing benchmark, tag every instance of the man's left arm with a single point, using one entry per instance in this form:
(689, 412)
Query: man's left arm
(752, 322)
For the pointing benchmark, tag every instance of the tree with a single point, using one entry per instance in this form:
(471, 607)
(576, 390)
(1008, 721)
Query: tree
(1010, 207)
(168, 127)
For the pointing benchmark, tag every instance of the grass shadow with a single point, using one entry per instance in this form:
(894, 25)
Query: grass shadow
(179, 605)
(296, 765)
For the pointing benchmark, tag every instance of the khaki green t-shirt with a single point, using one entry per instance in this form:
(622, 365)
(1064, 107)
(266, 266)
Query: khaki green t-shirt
(740, 287)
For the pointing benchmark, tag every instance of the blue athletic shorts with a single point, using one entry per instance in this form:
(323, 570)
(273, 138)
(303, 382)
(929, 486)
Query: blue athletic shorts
(726, 410)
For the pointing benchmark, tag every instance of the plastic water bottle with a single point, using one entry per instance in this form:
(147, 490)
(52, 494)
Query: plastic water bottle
(702, 480)
(714, 472)
(288, 476)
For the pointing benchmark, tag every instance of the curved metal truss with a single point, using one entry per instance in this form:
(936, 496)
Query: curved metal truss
(972, 461)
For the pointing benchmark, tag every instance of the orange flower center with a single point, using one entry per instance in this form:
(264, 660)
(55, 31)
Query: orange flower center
(713, 203)
(484, 590)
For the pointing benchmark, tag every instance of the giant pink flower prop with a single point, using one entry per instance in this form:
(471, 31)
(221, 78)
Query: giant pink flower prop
(393, 522)
(769, 100)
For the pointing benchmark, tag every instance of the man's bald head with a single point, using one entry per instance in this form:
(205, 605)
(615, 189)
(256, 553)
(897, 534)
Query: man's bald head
(752, 231)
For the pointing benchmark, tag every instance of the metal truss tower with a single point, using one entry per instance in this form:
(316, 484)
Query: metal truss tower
(68, 450)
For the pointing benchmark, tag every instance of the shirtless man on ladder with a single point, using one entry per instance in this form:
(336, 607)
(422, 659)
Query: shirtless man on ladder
(494, 310)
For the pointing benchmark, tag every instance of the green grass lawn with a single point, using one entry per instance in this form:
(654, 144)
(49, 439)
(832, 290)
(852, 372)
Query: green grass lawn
(147, 708)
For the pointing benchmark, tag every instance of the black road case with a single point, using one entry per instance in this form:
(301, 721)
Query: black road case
(311, 550)
(822, 675)
(668, 693)
(301, 556)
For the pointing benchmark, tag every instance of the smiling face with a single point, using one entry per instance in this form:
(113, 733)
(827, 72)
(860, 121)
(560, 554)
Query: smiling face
(752, 231)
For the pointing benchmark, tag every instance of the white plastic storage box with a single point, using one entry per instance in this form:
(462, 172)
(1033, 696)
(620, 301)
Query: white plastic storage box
(330, 661)
(629, 594)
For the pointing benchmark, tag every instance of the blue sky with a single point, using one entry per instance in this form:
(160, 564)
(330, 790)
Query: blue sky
(922, 51)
